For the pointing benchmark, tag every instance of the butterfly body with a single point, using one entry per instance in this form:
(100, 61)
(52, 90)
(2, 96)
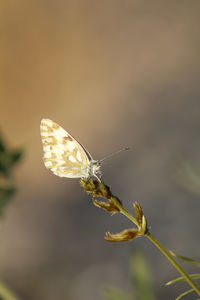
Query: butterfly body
(94, 168)
(64, 155)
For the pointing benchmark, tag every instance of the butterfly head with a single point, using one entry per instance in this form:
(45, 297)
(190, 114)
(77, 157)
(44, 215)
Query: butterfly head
(95, 171)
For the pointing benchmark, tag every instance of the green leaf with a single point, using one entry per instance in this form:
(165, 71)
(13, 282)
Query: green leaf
(184, 294)
(8, 161)
(113, 293)
(5, 196)
(8, 158)
(6, 293)
(142, 278)
(5, 164)
(16, 155)
(189, 260)
(2, 146)
(188, 175)
(181, 279)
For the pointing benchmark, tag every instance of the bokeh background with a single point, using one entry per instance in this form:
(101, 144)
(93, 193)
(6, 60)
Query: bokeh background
(114, 74)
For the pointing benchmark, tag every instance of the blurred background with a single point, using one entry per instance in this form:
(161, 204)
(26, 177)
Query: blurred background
(113, 74)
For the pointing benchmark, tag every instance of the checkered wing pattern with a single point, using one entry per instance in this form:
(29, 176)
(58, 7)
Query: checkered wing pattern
(63, 155)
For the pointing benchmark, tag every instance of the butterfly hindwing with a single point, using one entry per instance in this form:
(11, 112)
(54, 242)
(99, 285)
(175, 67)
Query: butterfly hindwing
(63, 155)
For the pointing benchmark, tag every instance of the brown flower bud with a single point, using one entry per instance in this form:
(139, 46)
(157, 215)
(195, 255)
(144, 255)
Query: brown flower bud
(123, 236)
(109, 206)
(139, 212)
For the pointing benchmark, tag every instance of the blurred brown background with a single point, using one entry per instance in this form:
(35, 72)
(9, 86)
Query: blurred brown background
(114, 74)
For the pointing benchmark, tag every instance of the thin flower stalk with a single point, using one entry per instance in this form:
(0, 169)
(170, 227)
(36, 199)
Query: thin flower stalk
(113, 205)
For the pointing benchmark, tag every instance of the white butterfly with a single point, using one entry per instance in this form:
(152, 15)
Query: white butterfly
(64, 155)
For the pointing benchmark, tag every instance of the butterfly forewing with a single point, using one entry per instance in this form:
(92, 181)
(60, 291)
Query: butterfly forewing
(63, 155)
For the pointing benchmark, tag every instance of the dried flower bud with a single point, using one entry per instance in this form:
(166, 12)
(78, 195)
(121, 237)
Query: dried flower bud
(139, 212)
(91, 186)
(123, 236)
(113, 205)
(99, 189)
(144, 228)
(109, 206)
(142, 222)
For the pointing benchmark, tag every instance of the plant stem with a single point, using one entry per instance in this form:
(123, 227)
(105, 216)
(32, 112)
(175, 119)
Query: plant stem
(163, 250)
(173, 262)
(6, 293)
(128, 215)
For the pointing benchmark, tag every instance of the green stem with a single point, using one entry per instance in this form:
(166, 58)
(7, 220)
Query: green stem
(163, 250)
(5, 292)
(174, 262)
(128, 215)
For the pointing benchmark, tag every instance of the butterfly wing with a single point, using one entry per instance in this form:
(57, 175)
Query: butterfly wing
(63, 155)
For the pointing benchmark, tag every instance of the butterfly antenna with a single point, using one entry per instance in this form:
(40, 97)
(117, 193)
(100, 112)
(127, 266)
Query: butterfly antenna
(114, 153)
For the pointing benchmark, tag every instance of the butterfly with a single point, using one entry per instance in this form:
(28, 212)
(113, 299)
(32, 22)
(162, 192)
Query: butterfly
(64, 155)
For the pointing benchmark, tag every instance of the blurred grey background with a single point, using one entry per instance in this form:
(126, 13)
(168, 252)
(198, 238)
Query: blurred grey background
(114, 74)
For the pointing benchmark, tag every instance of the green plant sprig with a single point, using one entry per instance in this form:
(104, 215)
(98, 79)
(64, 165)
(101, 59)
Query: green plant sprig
(113, 205)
